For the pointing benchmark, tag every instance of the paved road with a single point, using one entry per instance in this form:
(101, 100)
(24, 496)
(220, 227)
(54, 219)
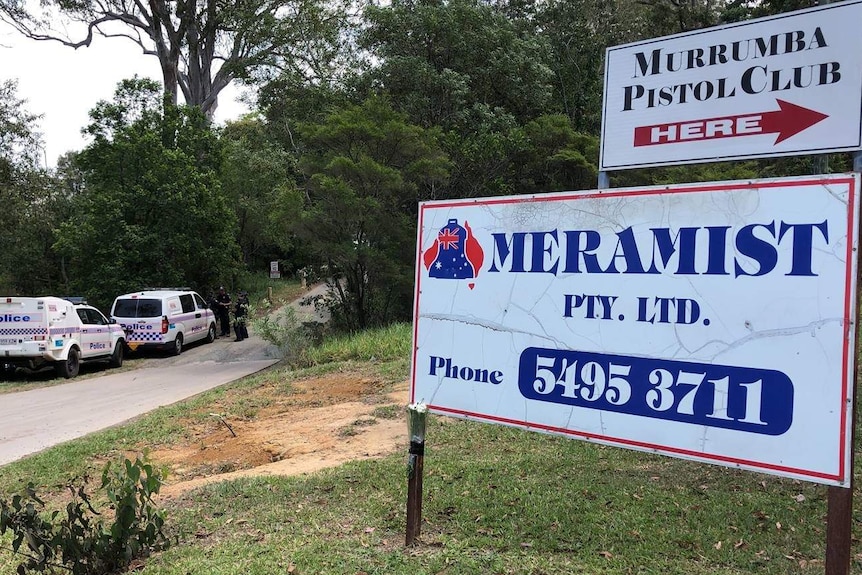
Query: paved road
(33, 420)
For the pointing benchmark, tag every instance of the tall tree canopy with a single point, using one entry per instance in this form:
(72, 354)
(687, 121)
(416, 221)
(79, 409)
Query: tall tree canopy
(258, 179)
(367, 169)
(448, 63)
(152, 211)
(201, 45)
(32, 204)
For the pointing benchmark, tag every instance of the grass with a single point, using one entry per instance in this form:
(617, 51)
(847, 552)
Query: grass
(500, 500)
(373, 345)
(54, 466)
(497, 501)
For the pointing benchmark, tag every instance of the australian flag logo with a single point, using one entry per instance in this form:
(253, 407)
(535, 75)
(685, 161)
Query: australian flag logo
(455, 254)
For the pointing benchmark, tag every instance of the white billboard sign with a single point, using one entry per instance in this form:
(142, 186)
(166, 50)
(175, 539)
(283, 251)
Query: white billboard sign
(712, 322)
(777, 86)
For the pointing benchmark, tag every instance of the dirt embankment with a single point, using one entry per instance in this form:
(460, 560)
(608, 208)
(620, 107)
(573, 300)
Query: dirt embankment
(318, 423)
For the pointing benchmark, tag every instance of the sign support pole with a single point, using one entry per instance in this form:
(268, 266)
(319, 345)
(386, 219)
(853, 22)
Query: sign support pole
(416, 416)
(839, 514)
(604, 180)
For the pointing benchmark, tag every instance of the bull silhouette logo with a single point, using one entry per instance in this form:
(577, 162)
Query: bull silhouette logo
(455, 253)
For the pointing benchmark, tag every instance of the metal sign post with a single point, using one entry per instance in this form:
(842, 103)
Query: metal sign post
(839, 514)
(416, 416)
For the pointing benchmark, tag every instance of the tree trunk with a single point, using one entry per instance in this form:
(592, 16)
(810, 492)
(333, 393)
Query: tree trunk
(170, 78)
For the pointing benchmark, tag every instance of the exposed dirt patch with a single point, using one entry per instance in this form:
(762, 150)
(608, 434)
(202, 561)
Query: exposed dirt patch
(310, 425)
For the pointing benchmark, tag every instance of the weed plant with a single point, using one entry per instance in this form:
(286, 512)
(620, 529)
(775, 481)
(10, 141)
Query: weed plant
(81, 540)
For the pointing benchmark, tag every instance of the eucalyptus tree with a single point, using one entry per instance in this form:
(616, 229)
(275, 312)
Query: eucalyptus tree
(201, 45)
(258, 177)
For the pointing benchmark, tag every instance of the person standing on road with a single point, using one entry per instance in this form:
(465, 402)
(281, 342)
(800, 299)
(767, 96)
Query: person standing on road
(214, 305)
(241, 316)
(223, 300)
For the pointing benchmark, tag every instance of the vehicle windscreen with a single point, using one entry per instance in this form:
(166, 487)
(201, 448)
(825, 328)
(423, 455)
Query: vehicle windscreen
(138, 308)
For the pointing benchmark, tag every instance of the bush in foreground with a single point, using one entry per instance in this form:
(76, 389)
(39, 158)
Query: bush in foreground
(83, 541)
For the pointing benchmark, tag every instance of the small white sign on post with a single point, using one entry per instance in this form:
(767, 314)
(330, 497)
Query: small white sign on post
(778, 86)
(713, 322)
(273, 270)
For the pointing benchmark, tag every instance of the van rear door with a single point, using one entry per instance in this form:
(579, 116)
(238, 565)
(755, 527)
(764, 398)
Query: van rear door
(23, 322)
(140, 318)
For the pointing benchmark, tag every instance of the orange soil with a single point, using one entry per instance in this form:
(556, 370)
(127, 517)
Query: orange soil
(320, 423)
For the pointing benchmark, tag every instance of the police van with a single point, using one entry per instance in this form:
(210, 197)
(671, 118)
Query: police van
(38, 331)
(164, 318)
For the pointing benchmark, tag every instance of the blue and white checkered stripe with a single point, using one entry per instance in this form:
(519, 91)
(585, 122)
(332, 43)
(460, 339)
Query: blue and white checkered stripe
(144, 336)
(24, 331)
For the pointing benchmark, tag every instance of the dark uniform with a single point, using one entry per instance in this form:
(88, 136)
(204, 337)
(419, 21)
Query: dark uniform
(240, 317)
(223, 300)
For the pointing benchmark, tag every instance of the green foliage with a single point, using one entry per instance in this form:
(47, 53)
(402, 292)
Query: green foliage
(556, 157)
(379, 344)
(669, 17)
(258, 178)
(578, 32)
(152, 211)
(19, 141)
(367, 168)
(439, 60)
(81, 540)
(32, 204)
(285, 330)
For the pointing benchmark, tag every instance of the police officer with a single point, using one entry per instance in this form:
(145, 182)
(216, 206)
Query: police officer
(223, 301)
(241, 317)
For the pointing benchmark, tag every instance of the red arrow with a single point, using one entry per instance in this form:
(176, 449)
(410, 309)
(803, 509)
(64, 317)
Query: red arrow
(787, 121)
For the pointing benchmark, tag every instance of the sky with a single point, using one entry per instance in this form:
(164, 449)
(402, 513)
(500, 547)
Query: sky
(63, 84)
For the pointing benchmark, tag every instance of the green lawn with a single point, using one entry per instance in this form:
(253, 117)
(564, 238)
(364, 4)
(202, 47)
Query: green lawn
(499, 500)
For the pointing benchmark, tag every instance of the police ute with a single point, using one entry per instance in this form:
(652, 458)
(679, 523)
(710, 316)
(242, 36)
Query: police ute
(40, 331)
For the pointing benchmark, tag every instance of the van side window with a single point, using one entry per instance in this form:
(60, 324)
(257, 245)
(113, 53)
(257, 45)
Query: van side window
(187, 302)
(82, 313)
(200, 301)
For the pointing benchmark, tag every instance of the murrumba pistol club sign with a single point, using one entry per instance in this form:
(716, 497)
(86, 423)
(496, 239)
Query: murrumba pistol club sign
(711, 322)
(778, 86)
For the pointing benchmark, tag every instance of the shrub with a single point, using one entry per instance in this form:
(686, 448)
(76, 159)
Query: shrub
(292, 337)
(81, 540)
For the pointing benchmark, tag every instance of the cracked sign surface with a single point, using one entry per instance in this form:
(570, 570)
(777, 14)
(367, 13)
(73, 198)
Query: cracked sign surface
(711, 322)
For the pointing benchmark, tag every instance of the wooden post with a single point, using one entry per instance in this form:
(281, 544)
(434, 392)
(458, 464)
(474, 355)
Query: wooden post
(839, 514)
(416, 416)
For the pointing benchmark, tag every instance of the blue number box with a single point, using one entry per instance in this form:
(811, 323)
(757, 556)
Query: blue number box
(741, 398)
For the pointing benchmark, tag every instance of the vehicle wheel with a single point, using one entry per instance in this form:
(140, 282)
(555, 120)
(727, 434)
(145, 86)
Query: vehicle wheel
(118, 355)
(70, 367)
(178, 345)
(211, 333)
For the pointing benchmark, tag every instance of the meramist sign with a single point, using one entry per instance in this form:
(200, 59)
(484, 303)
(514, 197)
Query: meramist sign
(711, 322)
(776, 86)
